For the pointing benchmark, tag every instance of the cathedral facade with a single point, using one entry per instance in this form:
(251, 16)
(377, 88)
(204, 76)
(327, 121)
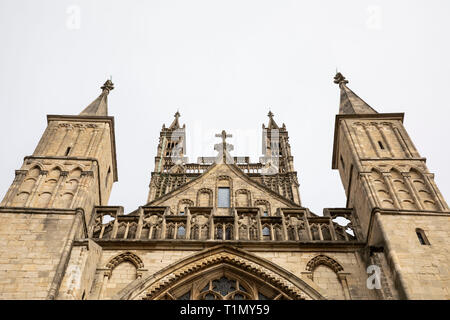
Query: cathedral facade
(224, 228)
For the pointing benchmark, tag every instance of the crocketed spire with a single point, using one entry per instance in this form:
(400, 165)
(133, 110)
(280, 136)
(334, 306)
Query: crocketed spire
(99, 107)
(350, 102)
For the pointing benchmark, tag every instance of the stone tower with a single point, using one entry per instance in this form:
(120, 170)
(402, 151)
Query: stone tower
(53, 194)
(402, 214)
(169, 159)
(279, 162)
(224, 227)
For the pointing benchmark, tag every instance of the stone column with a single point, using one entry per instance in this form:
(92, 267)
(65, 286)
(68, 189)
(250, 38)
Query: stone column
(343, 279)
(259, 227)
(61, 180)
(236, 225)
(402, 142)
(106, 275)
(163, 227)
(413, 190)
(283, 225)
(386, 140)
(91, 142)
(18, 179)
(80, 131)
(319, 228)
(63, 144)
(81, 191)
(115, 228)
(332, 231)
(188, 225)
(388, 180)
(95, 146)
(373, 199)
(308, 228)
(30, 199)
(369, 136)
(127, 228)
(211, 228)
(140, 223)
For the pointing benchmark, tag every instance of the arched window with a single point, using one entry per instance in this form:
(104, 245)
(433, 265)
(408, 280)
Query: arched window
(181, 233)
(266, 233)
(229, 232)
(422, 237)
(123, 271)
(219, 232)
(324, 272)
(223, 197)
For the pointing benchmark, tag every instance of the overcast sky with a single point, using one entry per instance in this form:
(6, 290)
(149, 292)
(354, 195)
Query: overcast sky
(223, 64)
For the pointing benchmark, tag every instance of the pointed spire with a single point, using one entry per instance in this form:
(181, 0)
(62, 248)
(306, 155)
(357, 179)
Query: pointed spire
(272, 124)
(99, 107)
(350, 102)
(175, 124)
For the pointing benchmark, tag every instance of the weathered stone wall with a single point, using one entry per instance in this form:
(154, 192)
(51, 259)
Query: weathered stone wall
(354, 270)
(424, 269)
(31, 244)
(328, 281)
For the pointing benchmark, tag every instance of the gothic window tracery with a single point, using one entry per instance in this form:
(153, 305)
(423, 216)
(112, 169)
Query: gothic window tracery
(223, 285)
(224, 289)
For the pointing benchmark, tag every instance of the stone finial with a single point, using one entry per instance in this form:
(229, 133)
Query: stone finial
(99, 107)
(175, 124)
(272, 124)
(224, 135)
(339, 78)
(107, 86)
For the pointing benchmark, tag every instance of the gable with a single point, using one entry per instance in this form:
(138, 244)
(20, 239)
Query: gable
(204, 190)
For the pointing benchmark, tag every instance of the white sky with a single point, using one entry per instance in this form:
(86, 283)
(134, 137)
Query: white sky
(223, 64)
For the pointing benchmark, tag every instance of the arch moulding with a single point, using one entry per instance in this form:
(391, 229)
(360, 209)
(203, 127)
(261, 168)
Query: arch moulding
(152, 285)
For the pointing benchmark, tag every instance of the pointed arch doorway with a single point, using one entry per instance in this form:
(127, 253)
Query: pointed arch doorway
(222, 282)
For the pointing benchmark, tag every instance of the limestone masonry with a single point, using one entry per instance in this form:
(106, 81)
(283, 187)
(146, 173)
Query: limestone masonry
(223, 227)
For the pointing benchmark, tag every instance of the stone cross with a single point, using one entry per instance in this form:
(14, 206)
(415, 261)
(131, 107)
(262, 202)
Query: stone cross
(224, 147)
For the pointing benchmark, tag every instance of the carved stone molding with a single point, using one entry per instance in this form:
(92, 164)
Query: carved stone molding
(325, 260)
(126, 256)
(265, 274)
